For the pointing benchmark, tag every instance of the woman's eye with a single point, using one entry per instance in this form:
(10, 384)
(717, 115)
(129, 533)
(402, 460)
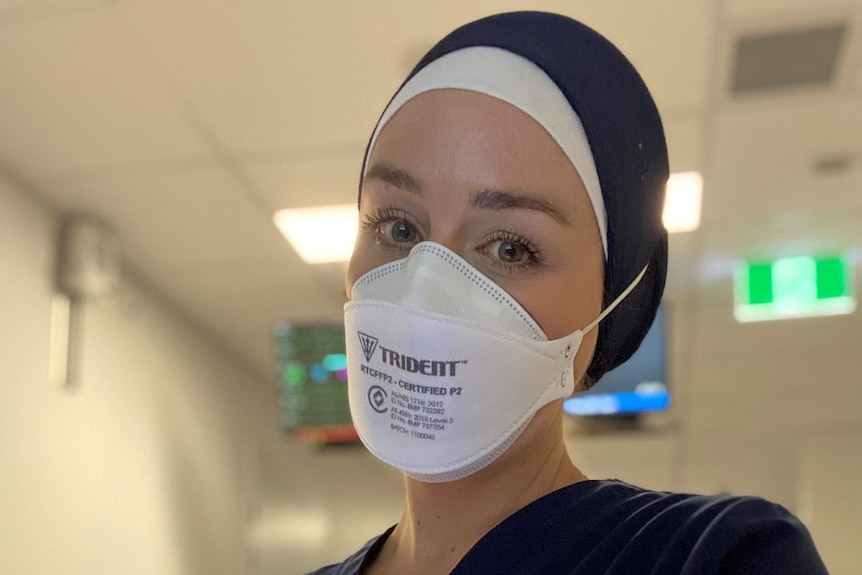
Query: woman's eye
(509, 252)
(391, 227)
(398, 231)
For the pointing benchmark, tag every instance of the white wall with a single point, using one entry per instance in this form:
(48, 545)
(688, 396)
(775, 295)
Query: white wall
(147, 464)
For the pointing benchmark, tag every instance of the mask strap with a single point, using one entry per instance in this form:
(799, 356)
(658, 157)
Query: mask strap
(616, 302)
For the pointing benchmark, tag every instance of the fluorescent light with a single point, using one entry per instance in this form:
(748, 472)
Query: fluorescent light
(322, 234)
(682, 202)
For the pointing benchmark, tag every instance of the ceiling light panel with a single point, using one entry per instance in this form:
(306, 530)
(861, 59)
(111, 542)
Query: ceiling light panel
(682, 202)
(320, 234)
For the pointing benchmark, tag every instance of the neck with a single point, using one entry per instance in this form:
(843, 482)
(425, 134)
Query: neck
(442, 521)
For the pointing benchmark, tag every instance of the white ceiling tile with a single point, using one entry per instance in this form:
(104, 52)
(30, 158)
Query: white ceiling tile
(309, 181)
(741, 9)
(765, 17)
(287, 75)
(776, 232)
(180, 222)
(303, 74)
(76, 96)
(671, 48)
(764, 153)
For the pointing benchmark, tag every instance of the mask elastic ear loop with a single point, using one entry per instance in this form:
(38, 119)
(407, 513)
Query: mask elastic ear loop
(616, 302)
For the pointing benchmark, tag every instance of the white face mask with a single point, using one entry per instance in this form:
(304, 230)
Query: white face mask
(446, 369)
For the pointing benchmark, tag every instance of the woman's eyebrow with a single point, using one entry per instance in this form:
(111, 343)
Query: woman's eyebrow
(509, 199)
(396, 177)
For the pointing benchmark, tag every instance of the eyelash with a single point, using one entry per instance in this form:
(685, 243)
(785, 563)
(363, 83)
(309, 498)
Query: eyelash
(371, 224)
(373, 221)
(534, 255)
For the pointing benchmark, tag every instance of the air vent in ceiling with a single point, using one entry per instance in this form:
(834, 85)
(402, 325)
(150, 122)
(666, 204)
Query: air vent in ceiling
(789, 59)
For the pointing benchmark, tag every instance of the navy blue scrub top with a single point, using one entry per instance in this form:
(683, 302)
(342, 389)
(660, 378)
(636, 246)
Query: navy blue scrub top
(613, 528)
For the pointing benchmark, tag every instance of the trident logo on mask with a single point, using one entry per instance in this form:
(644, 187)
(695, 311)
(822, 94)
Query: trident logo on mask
(368, 343)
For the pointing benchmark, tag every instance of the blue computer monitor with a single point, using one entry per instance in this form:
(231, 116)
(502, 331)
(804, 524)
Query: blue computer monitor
(639, 385)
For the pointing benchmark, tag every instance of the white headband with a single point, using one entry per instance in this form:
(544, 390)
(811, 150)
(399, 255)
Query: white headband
(520, 83)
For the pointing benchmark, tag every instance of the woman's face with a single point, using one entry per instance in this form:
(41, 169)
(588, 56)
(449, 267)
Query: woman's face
(484, 179)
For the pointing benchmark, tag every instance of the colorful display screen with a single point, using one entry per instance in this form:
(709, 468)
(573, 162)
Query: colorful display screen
(311, 369)
(638, 385)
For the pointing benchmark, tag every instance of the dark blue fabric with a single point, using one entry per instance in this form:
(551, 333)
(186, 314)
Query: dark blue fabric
(627, 140)
(612, 528)
(354, 564)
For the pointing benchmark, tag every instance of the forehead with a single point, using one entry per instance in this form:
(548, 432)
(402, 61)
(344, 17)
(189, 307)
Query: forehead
(462, 139)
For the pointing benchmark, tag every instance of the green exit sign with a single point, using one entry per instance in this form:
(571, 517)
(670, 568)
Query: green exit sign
(801, 286)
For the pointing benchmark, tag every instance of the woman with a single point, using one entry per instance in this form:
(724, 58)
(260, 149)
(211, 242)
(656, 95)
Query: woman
(510, 201)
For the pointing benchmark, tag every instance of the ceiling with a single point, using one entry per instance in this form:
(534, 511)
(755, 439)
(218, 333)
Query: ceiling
(185, 124)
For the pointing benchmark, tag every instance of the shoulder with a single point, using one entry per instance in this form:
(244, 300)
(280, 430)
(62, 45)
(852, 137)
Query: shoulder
(720, 534)
(707, 533)
(611, 527)
(759, 536)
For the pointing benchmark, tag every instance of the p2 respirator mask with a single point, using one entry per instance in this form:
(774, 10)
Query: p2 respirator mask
(446, 369)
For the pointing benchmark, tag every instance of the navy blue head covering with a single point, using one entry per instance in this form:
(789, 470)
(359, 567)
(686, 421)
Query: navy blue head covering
(626, 138)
